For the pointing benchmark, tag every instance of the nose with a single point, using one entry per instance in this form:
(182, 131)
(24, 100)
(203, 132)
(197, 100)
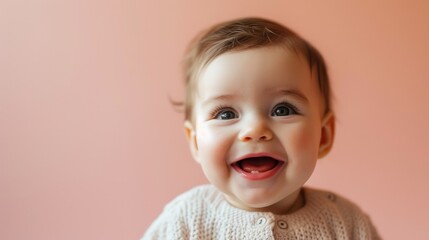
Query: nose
(255, 131)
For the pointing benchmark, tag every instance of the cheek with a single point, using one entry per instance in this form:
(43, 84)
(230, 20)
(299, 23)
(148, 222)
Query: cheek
(213, 144)
(303, 142)
(206, 139)
(213, 148)
(302, 150)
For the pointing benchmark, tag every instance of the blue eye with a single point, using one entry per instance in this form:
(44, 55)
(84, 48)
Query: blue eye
(283, 109)
(226, 115)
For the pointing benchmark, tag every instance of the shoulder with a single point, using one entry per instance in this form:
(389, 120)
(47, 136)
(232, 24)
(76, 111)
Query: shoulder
(183, 212)
(332, 201)
(341, 214)
(329, 198)
(199, 192)
(203, 196)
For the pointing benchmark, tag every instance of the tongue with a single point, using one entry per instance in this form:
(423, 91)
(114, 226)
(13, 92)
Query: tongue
(260, 164)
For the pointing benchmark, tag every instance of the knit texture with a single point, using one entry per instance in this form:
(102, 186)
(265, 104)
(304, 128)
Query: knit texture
(203, 213)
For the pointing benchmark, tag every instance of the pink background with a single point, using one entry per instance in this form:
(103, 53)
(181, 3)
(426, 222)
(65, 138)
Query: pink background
(90, 147)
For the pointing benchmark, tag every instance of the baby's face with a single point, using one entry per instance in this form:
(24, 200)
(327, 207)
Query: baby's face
(259, 126)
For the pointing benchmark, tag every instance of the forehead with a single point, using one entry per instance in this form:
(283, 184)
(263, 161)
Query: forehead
(262, 68)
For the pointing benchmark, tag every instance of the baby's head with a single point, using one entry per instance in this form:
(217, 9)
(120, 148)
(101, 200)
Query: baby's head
(248, 33)
(258, 112)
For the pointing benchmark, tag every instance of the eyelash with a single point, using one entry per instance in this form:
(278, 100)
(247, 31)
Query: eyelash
(217, 110)
(286, 104)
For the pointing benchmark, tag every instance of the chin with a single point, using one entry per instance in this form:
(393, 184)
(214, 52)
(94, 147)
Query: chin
(258, 201)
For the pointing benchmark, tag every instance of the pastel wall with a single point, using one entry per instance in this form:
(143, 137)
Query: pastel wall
(90, 147)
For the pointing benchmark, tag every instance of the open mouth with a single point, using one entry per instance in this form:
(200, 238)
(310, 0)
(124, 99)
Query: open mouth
(256, 168)
(257, 164)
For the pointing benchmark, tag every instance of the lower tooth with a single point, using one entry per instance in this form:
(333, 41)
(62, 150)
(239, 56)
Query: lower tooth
(254, 172)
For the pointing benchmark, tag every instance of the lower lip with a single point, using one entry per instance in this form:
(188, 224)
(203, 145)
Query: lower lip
(261, 175)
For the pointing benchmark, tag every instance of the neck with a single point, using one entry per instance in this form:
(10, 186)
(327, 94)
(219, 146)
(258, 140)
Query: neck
(288, 205)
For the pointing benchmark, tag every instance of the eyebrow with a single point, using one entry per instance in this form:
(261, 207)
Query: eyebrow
(294, 93)
(288, 92)
(219, 97)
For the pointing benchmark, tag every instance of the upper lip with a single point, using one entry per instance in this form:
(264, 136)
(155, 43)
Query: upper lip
(259, 154)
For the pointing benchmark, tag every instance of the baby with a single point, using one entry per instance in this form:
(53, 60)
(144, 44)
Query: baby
(258, 115)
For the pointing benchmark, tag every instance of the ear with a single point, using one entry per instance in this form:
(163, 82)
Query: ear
(328, 132)
(192, 139)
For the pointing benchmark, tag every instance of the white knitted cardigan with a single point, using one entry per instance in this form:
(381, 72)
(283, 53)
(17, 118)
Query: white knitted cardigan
(203, 213)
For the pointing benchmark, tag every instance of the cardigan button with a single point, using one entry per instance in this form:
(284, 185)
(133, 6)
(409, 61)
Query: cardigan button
(331, 197)
(261, 221)
(282, 224)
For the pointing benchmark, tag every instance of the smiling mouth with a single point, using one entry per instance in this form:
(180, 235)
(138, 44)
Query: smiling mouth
(257, 168)
(257, 164)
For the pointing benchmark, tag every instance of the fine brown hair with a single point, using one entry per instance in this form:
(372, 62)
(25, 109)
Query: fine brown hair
(248, 33)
